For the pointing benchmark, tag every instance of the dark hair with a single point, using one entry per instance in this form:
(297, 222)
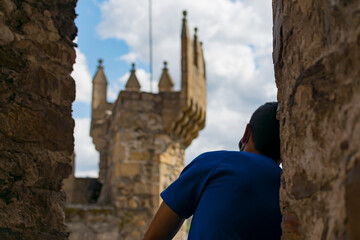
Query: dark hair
(265, 131)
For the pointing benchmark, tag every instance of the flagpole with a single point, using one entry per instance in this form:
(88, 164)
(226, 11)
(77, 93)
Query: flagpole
(150, 44)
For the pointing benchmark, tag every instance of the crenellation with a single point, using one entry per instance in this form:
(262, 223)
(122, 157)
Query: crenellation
(166, 84)
(133, 83)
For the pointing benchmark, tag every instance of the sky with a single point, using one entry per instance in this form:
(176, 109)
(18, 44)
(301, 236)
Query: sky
(237, 45)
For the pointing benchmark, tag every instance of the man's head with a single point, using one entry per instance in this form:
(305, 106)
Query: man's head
(262, 132)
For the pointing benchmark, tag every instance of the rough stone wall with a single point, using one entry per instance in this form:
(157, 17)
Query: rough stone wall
(317, 68)
(36, 127)
(92, 222)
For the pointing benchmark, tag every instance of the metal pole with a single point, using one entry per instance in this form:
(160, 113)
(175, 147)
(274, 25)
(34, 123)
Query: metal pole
(150, 43)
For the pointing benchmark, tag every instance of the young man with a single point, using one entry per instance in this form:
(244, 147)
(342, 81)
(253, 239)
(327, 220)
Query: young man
(231, 195)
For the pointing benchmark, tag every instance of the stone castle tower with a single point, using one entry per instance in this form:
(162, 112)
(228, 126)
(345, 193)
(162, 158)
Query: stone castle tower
(142, 136)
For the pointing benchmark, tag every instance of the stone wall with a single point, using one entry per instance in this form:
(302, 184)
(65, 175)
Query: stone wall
(317, 68)
(92, 222)
(36, 127)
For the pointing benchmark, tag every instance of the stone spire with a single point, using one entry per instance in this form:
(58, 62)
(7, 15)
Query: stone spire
(202, 60)
(133, 83)
(185, 31)
(196, 47)
(166, 84)
(99, 87)
(187, 59)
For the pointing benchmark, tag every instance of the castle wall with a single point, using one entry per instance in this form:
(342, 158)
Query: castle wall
(36, 126)
(93, 222)
(317, 69)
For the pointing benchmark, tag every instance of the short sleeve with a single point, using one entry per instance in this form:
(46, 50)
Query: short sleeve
(184, 194)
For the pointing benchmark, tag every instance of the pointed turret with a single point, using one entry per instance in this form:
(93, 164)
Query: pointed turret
(133, 83)
(99, 88)
(196, 48)
(99, 106)
(185, 31)
(202, 60)
(187, 60)
(166, 84)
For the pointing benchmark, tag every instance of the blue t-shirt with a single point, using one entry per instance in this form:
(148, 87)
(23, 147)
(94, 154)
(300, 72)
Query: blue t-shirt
(231, 195)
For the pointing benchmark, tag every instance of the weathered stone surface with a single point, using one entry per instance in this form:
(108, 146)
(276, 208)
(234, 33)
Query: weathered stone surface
(317, 68)
(6, 36)
(36, 126)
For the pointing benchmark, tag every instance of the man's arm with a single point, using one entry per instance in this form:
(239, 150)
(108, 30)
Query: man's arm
(165, 225)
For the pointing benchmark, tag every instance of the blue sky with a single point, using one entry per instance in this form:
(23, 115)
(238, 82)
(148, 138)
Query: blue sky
(91, 44)
(237, 46)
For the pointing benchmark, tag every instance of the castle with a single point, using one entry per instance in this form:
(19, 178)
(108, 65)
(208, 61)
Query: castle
(141, 138)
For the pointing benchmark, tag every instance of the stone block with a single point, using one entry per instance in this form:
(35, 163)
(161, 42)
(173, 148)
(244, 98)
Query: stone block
(125, 136)
(6, 35)
(121, 202)
(167, 158)
(144, 188)
(127, 169)
(134, 202)
(139, 156)
(119, 153)
(9, 6)
(147, 97)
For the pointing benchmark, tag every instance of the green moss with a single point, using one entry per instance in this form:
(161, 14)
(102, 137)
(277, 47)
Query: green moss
(81, 212)
(125, 220)
(74, 211)
(97, 211)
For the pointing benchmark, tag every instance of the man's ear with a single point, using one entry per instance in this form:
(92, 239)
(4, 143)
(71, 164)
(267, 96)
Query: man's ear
(244, 140)
(247, 134)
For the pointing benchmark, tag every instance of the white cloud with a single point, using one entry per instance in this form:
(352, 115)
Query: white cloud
(86, 157)
(90, 173)
(237, 37)
(128, 58)
(224, 128)
(82, 78)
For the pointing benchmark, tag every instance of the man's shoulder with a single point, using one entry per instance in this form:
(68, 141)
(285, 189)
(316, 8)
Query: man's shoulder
(219, 153)
(215, 158)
